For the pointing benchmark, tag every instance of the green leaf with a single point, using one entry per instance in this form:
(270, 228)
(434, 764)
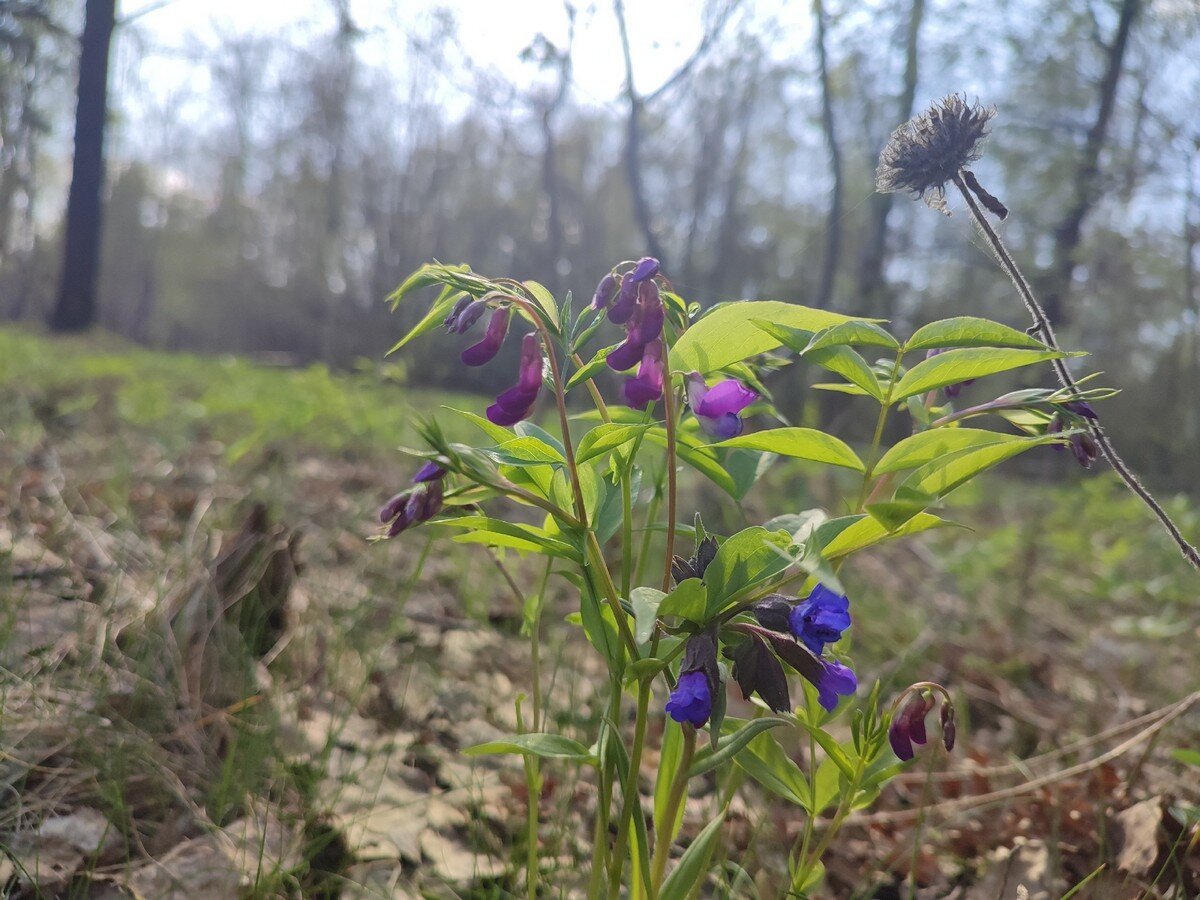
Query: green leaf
(594, 367)
(745, 467)
(428, 274)
(840, 359)
(526, 451)
(432, 319)
(699, 456)
(941, 476)
(868, 531)
(799, 443)
(728, 335)
(858, 333)
(826, 786)
(693, 865)
(831, 747)
(605, 437)
(545, 301)
(669, 758)
(957, 366)
(688, 601)
(841, 388)
(745, 559)
(767, 763)
(970, 331)
(1187, 757)
(499, 533)
(645, 602)
(547, 746)
(927, 446)
(708, 759)
(496, 432)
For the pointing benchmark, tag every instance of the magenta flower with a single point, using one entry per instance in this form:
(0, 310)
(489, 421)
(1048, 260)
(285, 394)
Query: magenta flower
(717, 408)
(487, 348)
(908, 726)
(837, 681)
(411, 507)
(516, 403)
(647, 386)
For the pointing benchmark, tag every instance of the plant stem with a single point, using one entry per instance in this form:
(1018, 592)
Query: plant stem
(533, 787)
(669, 403)
(630, 795)
(610, 593)
(873, 458)
(1042, 324)
(662, 842)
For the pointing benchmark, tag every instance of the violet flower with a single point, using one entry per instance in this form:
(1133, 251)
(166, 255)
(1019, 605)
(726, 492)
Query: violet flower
(908, 726)
(516, 403)
(466, 313)
(646, 268)
(411, 507)
(647, 386)
(717, 408)
(605, 291)
(837, 681)
(431, 471)
(485, 351)
(627, 296)
(820, 619)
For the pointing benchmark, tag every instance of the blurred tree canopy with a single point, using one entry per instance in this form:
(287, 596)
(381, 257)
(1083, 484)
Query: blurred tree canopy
(278, 220)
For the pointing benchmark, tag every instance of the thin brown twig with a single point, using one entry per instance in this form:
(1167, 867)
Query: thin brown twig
(1042, 324)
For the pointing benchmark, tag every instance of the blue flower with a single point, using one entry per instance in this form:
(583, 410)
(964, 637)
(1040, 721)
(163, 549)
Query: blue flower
(820, 619)
(692, 700)
(837, 681)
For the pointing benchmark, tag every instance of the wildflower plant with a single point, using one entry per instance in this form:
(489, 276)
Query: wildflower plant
(681, 615)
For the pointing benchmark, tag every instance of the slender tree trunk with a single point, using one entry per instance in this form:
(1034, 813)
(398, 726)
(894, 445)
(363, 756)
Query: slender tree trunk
(872, 288)
(1057, 283)
(75, 308)
(633, 145)
(833, 223)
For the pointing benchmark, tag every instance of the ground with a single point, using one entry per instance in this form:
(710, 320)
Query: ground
(214, 684)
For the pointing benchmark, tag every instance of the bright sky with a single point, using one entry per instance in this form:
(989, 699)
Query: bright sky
(663, 34)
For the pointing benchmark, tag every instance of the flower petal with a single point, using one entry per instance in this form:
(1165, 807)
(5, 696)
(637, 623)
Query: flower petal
(730, 396)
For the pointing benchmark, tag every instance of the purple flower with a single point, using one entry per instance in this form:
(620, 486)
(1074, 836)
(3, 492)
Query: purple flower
(949, 729)
(516, 403)
(647, 386)
(486, 350)
(411, 507)
(650, 322)
(605, 291)
(1084, 447)
(620, 311)
(466, 313)
(717, 408)
(820, 619)
(646, 268)
(691, 701)
(837, 681)
(908, 726)
(431, 471)
(1081, 408)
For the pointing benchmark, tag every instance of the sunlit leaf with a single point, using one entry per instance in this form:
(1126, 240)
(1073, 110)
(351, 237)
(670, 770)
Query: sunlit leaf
(546, 746)
(957, 366)
(970, 331)
(927, 446)
(800, 443)
(857, 333)
(605, 437)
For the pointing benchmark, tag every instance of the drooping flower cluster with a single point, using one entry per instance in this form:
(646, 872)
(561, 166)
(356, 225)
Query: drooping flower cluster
(718, 408)
(789, 631)
(517, 402)
(638, 306)
(416, 504)
(1082, 444)
(908, 722)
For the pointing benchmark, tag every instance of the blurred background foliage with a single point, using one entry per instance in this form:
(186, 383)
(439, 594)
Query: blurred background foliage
(269, 204)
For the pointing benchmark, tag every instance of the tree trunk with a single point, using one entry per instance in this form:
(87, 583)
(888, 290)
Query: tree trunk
(833, 223)
(872, 289)
(1057, 283)
(75, 308)
(633, 144)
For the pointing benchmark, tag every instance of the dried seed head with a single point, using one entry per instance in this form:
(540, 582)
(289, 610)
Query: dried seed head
(927, 151)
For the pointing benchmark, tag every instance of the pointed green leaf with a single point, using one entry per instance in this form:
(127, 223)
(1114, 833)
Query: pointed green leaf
(687, 601)
(941, 476)
(592, 368)
(525, 451)
(545, 301)
(766, 762)
(957, 366)
(927, 446)
(800, 443)
(727, 335)
(868, 531)
(605, 437)
(693, 865)
(743, 560)
(546, 746)
(645, 602)
(857, 333)
(840, 359)
(708, 759)
(970, 331)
